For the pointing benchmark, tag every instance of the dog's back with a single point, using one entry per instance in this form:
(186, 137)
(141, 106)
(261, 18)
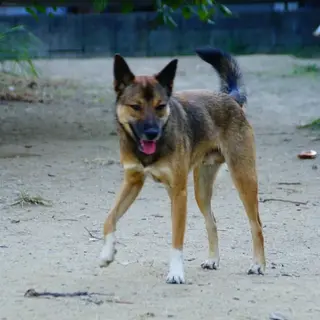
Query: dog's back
(199, 117)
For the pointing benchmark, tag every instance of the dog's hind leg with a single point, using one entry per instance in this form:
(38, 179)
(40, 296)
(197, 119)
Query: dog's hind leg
(130, 189)
(240, 158)
(204, 177)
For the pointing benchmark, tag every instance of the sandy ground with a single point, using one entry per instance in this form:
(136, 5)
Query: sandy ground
(66, 151)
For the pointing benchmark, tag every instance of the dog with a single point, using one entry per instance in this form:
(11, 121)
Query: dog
(166, 134)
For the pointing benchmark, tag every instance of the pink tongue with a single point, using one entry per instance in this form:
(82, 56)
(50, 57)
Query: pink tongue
(148, 147)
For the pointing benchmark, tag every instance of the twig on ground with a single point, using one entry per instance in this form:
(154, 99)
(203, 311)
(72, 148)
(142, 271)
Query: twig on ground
(289, 183)
(92, 236)
(64, 219)
(32, 293)
(283, 200)
(118, 301)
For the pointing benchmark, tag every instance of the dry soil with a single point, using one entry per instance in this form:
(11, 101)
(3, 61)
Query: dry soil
(66, 151)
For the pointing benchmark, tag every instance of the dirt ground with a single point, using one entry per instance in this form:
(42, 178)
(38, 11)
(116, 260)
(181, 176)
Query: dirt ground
(66, 151)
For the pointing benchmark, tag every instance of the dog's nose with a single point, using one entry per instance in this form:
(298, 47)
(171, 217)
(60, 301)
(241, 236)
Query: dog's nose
(151, 133)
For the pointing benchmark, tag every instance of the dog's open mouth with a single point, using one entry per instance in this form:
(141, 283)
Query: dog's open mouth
(148, 146)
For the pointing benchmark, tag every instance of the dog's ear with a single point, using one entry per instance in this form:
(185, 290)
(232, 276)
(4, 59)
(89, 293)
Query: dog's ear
(122, 74)
(166, 76)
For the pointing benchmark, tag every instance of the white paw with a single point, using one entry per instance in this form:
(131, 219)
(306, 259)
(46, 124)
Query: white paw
(256, 268)
(175, 278)
(210, 264)
(108, 251)
(176, 273)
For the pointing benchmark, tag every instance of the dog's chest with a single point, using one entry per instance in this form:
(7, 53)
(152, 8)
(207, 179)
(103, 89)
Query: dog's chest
(159, 173)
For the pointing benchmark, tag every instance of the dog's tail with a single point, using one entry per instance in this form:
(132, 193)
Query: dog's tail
(231, 81)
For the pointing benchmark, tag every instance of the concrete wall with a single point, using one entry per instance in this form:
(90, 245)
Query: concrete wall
(131, 34)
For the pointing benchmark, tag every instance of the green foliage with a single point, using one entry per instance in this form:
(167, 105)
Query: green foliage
(38, 8)
(17, 47)
(203, 9)
(313, 125)
(306, 69)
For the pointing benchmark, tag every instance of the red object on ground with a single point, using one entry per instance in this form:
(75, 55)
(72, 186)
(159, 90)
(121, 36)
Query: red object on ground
(307, 154)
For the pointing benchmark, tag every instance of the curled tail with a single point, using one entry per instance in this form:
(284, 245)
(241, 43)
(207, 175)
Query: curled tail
(231, 81)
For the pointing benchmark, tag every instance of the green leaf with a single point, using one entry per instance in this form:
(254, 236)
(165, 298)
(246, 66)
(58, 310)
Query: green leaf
(186, 12)
(202, 13)
(171, 22)
(226, 11)
(33, 69)
(40, 8)
(157, 21)
(211, 12)
(33, 12)
(99, 5)
(173, 5)
(127, 6)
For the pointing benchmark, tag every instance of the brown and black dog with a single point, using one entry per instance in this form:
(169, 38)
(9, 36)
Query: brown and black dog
(166, 135)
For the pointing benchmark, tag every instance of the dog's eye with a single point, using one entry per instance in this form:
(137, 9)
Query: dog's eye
(135, 107)
(161, 107)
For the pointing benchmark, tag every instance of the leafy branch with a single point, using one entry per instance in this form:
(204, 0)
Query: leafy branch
(165, 9)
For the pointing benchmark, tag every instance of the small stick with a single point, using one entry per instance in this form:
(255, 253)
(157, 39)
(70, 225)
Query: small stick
(289, 183)
(118, 301)
(283, 200)
(34, 293)
(92, 235)
(31, 293)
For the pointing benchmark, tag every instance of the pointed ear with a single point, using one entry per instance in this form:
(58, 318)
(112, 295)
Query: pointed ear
(122, 74)
(166, 76)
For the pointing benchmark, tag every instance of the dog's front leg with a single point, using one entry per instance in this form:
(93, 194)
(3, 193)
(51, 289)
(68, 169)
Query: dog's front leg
(178, 195)
(131, 186)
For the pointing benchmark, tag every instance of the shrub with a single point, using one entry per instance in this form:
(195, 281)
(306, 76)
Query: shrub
(17, 48)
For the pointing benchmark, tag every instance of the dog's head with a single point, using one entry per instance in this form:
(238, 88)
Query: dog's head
(142, 102)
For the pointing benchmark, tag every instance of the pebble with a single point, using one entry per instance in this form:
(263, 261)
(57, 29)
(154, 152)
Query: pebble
(277, 316)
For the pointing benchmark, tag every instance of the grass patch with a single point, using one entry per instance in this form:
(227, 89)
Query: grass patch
(306, 69)
(314, 125)
(25, 198)
(17, 48)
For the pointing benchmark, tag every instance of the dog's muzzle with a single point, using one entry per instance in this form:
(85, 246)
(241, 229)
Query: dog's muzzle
(146, 136)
